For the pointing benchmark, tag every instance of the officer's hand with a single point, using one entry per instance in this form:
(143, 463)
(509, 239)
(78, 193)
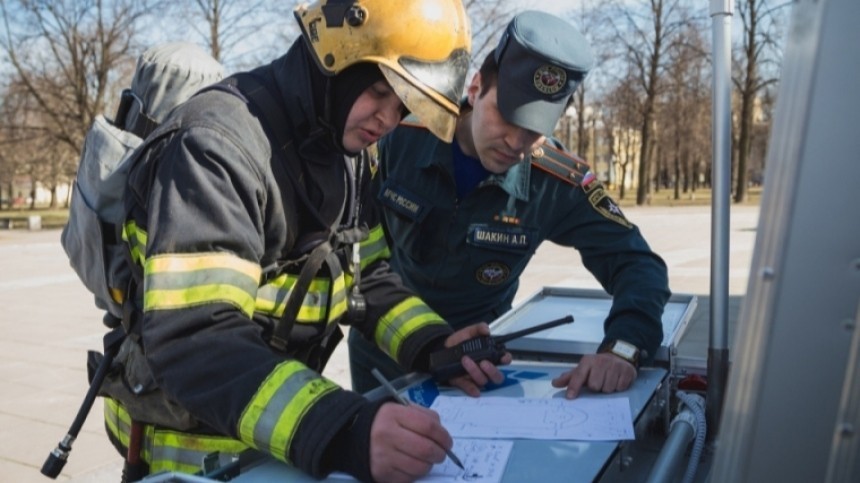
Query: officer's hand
(600, 372)
(477, 375)
(405, 442)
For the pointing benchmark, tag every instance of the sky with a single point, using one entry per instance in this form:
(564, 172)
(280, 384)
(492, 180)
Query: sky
(557, 7)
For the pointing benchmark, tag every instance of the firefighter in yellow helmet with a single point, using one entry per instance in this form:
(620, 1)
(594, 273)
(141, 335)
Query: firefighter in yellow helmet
(253, 238)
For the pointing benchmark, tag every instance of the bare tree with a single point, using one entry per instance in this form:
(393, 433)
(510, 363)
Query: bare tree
(643, 31)
(238, 33)
(621, 123)
(685, 99)
(64, 53)
(64, 58)
(488, 19)
(588, 19)
(10, 150)
(759, 45)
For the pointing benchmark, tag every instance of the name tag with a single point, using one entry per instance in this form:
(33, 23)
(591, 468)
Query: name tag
(403, 202)
(500, 237)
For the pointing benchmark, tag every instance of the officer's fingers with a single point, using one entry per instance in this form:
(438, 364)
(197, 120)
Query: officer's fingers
(596, 379)
(466, 333)
(475, 371)
(561, 380)
(611, 380)
(465, 384)
(628, 375)
(492, 372)
(576, 378)
(481, 328)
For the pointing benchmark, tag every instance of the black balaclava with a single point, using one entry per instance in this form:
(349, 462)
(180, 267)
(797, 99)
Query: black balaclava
(345, 89)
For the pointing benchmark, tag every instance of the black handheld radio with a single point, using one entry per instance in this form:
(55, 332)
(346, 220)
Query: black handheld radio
(445, 364)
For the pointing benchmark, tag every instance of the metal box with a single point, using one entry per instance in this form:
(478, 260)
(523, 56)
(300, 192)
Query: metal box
(589, 308)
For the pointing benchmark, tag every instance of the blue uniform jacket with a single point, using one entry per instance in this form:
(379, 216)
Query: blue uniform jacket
(464, 257)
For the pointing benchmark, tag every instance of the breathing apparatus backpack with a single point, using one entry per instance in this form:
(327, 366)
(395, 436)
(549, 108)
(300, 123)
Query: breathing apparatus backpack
(166, 75)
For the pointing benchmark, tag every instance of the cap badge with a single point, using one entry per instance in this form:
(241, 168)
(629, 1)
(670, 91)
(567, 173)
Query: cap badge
(549, 79)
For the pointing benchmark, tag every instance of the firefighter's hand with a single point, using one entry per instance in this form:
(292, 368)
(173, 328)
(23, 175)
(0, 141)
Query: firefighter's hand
(478, 375)
(405, 442)
(599, 372)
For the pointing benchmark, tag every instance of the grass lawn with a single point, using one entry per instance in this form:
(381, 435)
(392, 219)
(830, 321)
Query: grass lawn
(19, 217)
(666, 197)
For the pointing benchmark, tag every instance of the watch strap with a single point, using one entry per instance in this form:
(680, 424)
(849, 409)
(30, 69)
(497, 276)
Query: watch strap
(623, 349)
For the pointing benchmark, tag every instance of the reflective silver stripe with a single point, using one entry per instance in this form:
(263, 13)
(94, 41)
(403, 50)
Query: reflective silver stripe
(283, 396)
(166, 450)
(401, 321)
(184, 452)
(374, 247)
(273, 415)
(272, 297)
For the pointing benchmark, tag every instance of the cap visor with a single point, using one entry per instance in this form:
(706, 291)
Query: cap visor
(528, 113)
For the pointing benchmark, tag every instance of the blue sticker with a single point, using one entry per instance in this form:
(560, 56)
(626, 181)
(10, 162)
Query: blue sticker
(424, 393)
(531, 375)
(509, 381)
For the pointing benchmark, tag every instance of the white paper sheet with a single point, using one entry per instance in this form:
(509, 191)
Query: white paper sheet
(484, 461)
(587, 419)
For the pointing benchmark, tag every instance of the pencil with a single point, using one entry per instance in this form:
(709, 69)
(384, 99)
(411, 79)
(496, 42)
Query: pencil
(402, 400)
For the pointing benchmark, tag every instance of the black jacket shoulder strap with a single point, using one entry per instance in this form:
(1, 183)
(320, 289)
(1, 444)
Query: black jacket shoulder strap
(563, 165)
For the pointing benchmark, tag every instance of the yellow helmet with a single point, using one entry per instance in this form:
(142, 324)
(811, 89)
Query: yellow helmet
(421, 46)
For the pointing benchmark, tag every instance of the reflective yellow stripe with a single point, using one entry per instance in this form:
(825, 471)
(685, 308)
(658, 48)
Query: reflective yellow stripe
(117, 421)
(136, 239)
(401, 321)
(272, 298)
(184, 452)
(338, 296)
(174, 281)
(166, 450)
(271, 419)
(171, 263)
(317, 306)
(374, 247)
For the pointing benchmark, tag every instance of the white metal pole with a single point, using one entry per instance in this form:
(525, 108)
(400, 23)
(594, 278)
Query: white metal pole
(718, 352)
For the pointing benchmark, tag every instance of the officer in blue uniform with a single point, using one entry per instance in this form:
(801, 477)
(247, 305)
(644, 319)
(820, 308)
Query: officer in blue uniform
(464, 218)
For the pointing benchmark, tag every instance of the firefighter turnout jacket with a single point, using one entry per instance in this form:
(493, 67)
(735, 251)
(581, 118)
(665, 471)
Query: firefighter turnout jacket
(219, 228)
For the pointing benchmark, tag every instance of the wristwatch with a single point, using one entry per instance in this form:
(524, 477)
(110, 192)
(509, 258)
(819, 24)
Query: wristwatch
(622, 349)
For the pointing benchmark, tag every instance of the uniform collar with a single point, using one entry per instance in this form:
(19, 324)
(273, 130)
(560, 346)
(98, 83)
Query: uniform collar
(515, 181)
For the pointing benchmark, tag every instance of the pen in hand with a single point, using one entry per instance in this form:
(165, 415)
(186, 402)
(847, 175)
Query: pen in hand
(402, 400)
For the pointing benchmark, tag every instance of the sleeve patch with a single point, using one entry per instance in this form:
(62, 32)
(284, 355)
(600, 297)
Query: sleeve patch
(606, 206)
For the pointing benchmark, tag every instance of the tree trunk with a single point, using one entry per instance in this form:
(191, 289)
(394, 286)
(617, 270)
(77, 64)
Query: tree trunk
(744, 143)
(642, 189)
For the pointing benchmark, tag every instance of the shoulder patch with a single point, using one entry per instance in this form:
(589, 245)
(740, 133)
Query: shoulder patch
(565, 166)
(606, 206)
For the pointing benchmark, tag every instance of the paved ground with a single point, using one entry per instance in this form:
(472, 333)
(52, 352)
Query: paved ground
(48, 323)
